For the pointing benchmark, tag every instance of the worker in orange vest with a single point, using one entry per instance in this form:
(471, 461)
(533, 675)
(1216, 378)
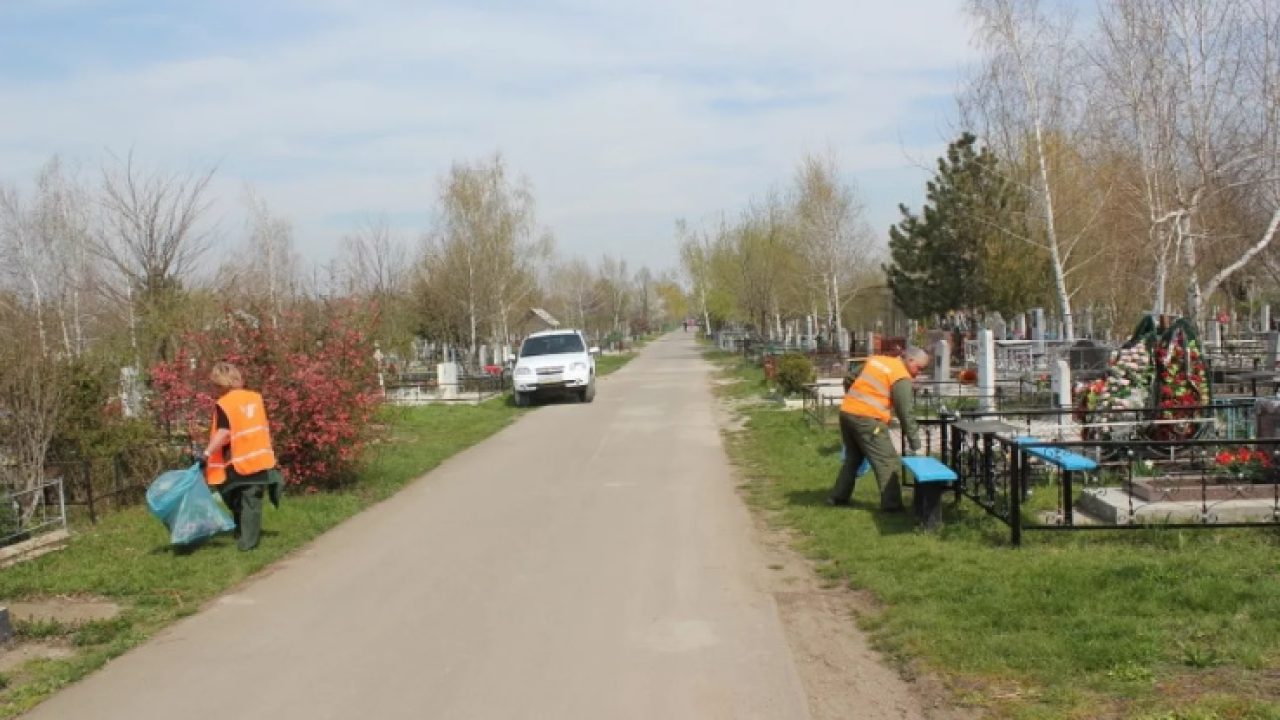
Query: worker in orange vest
(238, 461)
(881, 390)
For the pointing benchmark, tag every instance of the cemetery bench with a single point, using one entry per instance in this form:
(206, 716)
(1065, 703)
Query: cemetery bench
(1067, 462)
(929, 478)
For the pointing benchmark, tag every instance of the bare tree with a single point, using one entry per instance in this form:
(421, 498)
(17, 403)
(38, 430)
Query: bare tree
(30, 257)
(573, 285)
(31, 404)
(483, 256)
(152, 235)
(272, 263)
(833, 237)
(1228, 67)
(695, 256)
(615, 281)
(1023, 98)
(374, 260)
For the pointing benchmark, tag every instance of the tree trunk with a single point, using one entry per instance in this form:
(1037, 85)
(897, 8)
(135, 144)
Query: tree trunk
(1196, 295)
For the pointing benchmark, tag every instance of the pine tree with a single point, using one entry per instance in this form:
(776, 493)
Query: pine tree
(954, 255)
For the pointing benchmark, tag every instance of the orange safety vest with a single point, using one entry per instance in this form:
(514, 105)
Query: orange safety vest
(250, 444)
(869, 395)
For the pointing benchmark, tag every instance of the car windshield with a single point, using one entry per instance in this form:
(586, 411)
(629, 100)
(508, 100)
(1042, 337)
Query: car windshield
(551, 345)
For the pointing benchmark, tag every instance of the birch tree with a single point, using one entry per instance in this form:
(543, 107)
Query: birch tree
(268, 265)
(1023, 101)
(374, 260)
(832, 235)
(695, 258)
(30, 258)
(615, 284)
(484, 253)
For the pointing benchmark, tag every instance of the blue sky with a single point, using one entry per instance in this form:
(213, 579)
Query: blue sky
(623, 117)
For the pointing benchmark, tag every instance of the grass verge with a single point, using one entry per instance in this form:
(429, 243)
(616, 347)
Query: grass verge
(1176, 625)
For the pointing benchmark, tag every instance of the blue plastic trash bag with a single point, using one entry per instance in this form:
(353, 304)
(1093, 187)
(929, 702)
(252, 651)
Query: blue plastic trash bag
(182, 501)
(863, 468)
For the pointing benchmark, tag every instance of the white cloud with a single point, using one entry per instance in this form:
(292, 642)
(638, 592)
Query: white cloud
(624, 118)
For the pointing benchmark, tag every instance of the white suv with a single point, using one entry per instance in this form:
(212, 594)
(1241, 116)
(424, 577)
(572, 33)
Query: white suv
(555, 361)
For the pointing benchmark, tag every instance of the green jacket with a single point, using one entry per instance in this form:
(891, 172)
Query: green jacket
(272, 479)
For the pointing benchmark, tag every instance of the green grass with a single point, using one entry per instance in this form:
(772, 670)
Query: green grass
(1161, 624)
(126, 557)
(606, 364)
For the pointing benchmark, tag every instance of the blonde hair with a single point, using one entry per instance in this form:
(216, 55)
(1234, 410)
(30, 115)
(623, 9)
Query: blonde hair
(225, 375)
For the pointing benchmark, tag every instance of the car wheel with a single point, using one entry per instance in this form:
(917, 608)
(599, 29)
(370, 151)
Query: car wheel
(522, 399)
(588, 393)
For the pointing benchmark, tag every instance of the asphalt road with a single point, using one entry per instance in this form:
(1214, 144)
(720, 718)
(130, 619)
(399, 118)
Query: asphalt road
(591, 561)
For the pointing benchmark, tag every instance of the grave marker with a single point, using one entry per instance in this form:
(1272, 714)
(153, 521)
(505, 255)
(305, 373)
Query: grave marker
(941, 360)
(447, 377)
(986, 371)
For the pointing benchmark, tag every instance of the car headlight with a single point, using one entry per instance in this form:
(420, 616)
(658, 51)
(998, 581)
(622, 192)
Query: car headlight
(578, 366)
(524, 371)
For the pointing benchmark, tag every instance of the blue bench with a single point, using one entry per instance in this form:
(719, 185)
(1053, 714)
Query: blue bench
(1065, 460)
(930, 478)
(927, 470)
(923, 469)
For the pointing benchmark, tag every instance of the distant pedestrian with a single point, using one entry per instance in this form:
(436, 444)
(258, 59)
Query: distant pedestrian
(238, 461)
(881, 389)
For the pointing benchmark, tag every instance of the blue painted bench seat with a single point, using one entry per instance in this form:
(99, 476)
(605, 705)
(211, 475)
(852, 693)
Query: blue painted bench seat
(1064, 459)
(923, 469)
(928, 470)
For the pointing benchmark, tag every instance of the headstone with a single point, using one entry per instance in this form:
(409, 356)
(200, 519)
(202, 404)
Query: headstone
(6, 626)
(484, 356)
(448, 375)
(986, 371)
(1087, 360)
(1215, 333)
(1037, 328)
(1268, 412)
(1088, 322)
(997, 326)
(842, 340)
(1060, 382)
(870, 348)
(810, 342)
(1020, 327)
(1272, 358)
(941, 360)
(1266, 318)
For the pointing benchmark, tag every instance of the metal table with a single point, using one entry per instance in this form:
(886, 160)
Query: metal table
(980, 467)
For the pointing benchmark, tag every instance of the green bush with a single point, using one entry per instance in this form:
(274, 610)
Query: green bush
(794, 372)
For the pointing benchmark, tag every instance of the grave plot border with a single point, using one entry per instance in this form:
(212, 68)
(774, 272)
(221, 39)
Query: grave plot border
(996, 472)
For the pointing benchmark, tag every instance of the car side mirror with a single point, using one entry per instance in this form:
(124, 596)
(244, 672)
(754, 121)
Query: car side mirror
(594, 350)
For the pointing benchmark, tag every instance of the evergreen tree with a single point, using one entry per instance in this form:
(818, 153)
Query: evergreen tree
(954, 255)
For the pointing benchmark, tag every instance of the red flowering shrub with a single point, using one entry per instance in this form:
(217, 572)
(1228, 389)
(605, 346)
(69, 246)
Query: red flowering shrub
(317, 377)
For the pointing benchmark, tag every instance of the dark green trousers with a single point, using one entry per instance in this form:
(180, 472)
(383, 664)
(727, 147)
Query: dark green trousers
(243, 496)
(869, 438)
